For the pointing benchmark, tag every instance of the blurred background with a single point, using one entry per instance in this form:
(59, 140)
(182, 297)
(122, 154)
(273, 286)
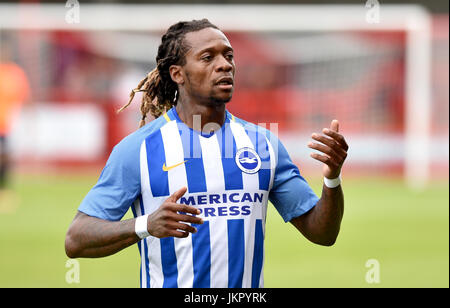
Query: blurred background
(380, 67)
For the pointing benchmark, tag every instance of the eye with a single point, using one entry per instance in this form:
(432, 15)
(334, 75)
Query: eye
(206, 58)
(229, 56)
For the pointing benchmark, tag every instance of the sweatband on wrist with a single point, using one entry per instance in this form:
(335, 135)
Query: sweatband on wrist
(140, 227)
(332, 183)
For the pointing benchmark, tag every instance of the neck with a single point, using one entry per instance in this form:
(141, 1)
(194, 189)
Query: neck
(205, 118)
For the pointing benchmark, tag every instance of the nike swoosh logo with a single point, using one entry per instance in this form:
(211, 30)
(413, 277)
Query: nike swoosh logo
(171, 167)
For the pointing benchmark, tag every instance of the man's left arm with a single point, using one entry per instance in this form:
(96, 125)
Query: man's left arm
(322, 223)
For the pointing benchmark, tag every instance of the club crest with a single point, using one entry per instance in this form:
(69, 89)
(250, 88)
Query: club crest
(248, 160)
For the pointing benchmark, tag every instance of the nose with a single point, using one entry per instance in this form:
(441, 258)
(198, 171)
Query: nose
(224, 65)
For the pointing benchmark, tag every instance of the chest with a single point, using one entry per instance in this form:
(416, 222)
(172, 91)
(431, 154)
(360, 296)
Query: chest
(233, 159)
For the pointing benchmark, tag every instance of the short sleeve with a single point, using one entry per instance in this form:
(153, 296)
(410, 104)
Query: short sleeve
(290, 194)
(118, 186)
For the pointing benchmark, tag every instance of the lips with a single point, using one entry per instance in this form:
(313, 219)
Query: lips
(225, 84)
(225, 81)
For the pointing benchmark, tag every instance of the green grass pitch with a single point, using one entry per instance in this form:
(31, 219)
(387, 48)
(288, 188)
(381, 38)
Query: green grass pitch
(406, 231)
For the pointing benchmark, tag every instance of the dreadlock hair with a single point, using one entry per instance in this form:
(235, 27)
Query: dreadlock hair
(159, 90)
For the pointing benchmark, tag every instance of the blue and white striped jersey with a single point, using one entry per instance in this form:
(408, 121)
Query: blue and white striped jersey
(230, 174)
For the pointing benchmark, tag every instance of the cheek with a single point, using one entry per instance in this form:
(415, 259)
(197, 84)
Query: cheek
(199, 79)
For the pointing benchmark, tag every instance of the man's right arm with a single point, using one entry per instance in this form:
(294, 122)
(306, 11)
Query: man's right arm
(97, 229)
(91, 237)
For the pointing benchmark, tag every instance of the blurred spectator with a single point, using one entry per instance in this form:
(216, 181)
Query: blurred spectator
(14, 91)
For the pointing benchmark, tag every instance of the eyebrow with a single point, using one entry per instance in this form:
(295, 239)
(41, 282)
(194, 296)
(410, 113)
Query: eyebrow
(227, 48)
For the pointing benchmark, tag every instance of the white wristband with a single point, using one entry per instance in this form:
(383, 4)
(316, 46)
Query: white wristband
(332, 183)
(140, 227)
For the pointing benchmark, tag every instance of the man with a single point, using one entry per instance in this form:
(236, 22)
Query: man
(198, 179)
(14, 92)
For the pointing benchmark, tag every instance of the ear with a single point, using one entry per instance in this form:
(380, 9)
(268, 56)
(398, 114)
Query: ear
(177, 74)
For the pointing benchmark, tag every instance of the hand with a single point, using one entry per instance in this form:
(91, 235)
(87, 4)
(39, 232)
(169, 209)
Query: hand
(333, 147)
(167, 221)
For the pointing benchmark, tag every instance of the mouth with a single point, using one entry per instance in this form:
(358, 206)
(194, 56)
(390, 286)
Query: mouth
(225, 83)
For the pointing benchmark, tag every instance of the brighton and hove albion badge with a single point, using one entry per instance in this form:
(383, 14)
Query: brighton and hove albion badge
(248, 160)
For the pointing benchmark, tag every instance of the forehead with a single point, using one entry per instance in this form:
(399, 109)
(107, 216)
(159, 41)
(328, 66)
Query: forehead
(206, 38)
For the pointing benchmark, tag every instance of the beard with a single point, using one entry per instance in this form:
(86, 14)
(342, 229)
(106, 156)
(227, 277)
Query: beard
(215, 100)
(214, 97)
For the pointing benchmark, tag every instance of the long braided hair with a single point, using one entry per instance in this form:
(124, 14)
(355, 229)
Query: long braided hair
(159, 90)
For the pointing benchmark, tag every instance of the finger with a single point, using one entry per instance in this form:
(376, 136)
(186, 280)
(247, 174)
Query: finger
(187, 218)
(326, 160)
(337, 147)
(177, 195)
(324, 149)
(338, 137)
(182, 227)
(334, 125)
(179, 234)
(177, 207)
